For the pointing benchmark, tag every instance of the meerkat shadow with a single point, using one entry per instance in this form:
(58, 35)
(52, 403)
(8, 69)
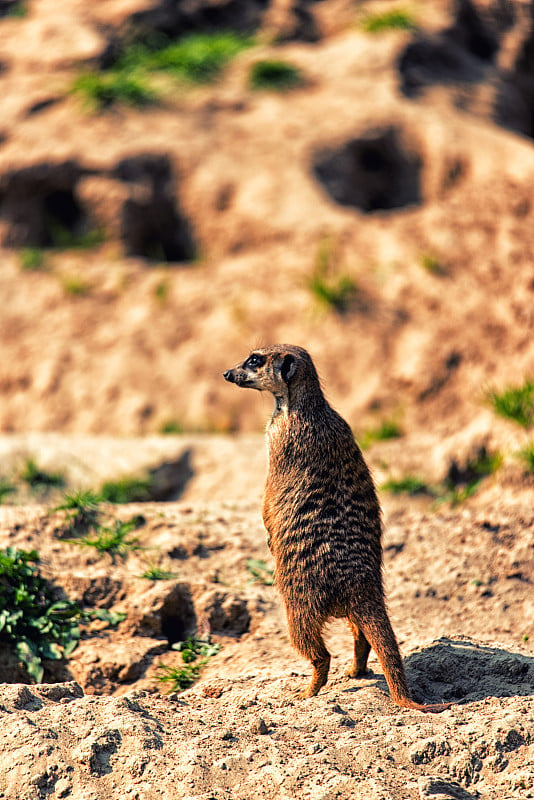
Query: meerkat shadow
(463, 670)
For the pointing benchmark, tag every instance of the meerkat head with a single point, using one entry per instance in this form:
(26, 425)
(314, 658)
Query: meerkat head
(280, 369)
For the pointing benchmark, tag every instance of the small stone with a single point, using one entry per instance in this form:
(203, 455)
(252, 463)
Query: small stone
(336, 708)
(62, 787)
(260, 726)
(314, 748)
(212, 690)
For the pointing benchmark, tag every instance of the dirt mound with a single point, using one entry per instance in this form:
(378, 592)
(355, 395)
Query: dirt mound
(105, 726)
(249, 739)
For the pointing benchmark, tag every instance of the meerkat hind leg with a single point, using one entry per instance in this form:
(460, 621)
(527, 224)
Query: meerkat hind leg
(306, 637)
(362, 648)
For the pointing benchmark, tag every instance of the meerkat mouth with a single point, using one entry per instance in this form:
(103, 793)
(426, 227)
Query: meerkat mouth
(239, 379)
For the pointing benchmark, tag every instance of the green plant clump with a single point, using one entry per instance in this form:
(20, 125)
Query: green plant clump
(82, 509)
(515, 403)
(388, 429)
(103, 89)
(330, 289)
(433, 265)
(38, 478)
(75, 286)
(63, 238)
(6, 488)
(32, 259)
(116, 540)
(526, 455)
(155, 573)
(197, 58)
(171, 427)
(394, 19)
(458, 486)
(410, 484)
(129, 489)
(17, 10)
(274, 74)
(33, 621)
(196, 652)
(260, 571)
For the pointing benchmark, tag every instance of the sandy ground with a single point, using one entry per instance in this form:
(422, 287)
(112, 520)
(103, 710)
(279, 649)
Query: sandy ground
(459, 587)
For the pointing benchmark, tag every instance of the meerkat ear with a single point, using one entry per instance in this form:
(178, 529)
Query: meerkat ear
(289, 367)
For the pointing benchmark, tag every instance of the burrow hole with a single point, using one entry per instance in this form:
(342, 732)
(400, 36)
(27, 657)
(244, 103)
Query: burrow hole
(374, 172)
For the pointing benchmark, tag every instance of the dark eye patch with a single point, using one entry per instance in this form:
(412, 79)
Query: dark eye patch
(254, 361)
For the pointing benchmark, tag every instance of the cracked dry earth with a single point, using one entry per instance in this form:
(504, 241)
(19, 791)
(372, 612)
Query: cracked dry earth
(460, 596)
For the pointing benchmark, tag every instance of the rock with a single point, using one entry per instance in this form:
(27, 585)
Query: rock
(225, 612)
(116, 662)
(60, 692)
(260, 726)
(100, 591)
(427, 750)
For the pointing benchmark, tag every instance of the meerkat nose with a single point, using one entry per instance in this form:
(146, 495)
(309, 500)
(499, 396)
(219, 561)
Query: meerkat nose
(229, 376)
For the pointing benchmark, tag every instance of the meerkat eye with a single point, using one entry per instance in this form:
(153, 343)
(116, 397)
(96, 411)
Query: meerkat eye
(254, 361)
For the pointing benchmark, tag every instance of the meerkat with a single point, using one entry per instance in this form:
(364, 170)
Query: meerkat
(323, 521)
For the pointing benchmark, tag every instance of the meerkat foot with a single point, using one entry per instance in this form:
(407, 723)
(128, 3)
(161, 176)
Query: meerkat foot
(303, 694)
(427, 708)
(355, 672)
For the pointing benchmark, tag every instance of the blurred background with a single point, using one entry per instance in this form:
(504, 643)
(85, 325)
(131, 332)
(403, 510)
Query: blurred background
(183, 181)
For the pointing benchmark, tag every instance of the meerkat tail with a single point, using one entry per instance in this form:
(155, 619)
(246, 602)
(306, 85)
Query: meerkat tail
(379, 633)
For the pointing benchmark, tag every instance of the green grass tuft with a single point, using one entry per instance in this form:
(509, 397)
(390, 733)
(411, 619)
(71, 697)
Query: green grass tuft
(196, 653)
(274, 74)
(392, 20)
(388, 429)
(433, 265)
(155, 573)
(32, 259)
(197, 58)
(171, 427)
(409, 484)
(127, 490)
(515, 403)
(100, 90)
(161, 291)
(331, 290)
(17, 10)
(38, 478)
(76, 286)
(260, 572)
(63, 238)
(82, 509)
(458, 485)
(6, 488)
(526, 455)
(116, 540)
